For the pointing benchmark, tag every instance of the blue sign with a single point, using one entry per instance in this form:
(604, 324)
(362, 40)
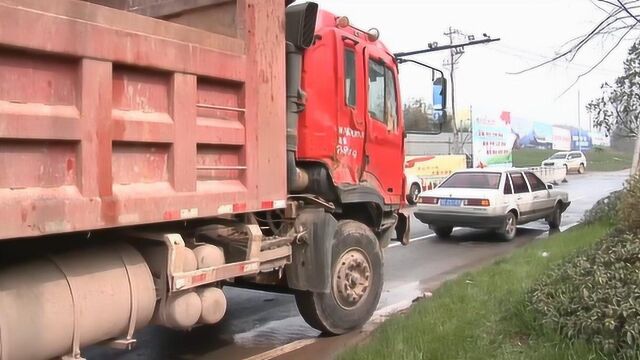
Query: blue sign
(580, 140)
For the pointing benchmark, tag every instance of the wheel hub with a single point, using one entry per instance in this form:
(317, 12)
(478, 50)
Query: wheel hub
(351, 278)
(511, 225)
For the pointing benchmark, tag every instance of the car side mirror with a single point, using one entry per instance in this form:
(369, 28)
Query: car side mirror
(549, 186)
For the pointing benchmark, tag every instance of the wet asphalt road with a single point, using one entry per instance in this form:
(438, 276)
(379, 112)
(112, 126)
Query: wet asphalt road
(256, 321)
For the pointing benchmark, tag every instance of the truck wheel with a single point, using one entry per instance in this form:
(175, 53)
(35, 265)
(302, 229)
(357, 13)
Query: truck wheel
(356, 283)
(555, 219)
(510, 227)
(414, 193)
(443, 231)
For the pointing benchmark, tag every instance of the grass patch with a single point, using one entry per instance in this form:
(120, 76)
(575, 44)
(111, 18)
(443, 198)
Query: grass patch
(598, 159)
(530, 157)
(483, 315)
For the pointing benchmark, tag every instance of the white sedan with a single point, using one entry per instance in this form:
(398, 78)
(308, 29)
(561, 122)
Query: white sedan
(491, 199)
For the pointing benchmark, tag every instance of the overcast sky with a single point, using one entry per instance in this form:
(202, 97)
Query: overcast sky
(531, 31)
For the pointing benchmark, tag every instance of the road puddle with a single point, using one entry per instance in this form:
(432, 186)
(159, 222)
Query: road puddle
(276, 333)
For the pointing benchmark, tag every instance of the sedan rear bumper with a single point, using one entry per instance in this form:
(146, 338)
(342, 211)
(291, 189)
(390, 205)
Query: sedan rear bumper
(478, 221)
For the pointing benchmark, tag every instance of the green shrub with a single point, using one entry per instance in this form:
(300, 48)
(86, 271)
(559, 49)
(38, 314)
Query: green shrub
(595, 296)
(605, 209)
(629, 206)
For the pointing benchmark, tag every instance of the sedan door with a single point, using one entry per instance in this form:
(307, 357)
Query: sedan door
(542, 201)
(523, 196)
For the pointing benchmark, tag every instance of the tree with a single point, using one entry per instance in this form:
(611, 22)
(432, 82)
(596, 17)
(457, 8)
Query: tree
(620, 20)
(618, 109)
(418, 117)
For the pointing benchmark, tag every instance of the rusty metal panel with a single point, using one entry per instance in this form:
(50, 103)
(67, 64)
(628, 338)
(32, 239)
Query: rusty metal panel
(109, 118)
(217, 16)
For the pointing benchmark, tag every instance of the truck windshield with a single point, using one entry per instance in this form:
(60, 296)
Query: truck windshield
(472, 180)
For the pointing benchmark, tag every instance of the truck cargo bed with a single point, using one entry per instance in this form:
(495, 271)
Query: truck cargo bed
(109, 118)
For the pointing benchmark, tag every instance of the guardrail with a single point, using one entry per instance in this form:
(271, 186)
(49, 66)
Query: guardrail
(550, 174)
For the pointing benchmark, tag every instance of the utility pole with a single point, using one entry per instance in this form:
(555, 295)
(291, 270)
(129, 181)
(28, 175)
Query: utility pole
(635, 166)
(579, 125)
(455, 54)
(456, 51)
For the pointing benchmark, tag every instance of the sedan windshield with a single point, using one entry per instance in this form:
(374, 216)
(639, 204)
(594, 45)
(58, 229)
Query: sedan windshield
(472, 180)
(558, 156)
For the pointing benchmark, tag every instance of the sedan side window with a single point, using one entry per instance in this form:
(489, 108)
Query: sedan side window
(519, 184)
(535, 182)
(508, 189)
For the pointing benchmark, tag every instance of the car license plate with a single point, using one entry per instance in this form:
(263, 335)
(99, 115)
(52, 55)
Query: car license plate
(450, 202)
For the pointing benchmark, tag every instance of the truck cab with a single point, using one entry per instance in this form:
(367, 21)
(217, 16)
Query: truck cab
(352, 122)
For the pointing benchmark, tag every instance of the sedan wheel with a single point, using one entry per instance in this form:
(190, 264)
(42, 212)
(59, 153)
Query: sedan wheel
(555, 219)
(510, 227)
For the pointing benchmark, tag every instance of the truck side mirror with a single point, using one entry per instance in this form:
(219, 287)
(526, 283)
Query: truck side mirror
(440, 94)
(301, 24)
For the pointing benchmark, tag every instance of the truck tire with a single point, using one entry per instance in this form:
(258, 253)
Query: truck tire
(414, 192)
(356, 282)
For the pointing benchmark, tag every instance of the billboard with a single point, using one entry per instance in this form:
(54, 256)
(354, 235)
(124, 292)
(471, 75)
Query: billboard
(493, 141)
(431, 170)
(580, 139)
(538, 135)
(561, 139)
(600, 139)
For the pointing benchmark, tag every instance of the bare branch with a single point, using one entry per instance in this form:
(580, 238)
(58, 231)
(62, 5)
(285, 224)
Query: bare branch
(599, 7)
(599, 62)
(579, 45)
(624, 7)
(603, 27)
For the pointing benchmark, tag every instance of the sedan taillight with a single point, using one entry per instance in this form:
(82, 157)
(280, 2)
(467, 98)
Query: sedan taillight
(477, 202)
(429, 200)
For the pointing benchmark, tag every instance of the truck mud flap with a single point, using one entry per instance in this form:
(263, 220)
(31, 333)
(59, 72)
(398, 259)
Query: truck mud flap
(310, 269)
(403, 228)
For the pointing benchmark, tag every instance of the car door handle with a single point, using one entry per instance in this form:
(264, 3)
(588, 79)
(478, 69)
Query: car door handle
(519, 198)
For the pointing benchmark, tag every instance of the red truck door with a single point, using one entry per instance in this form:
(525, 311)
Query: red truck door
(384, 139)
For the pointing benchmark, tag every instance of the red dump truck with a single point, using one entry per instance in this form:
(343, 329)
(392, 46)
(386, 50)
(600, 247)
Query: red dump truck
(152, 151)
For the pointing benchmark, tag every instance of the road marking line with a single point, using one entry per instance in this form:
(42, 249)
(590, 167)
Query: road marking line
(380, 314)
(378, 317)
(419, 238)
(279, 351)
